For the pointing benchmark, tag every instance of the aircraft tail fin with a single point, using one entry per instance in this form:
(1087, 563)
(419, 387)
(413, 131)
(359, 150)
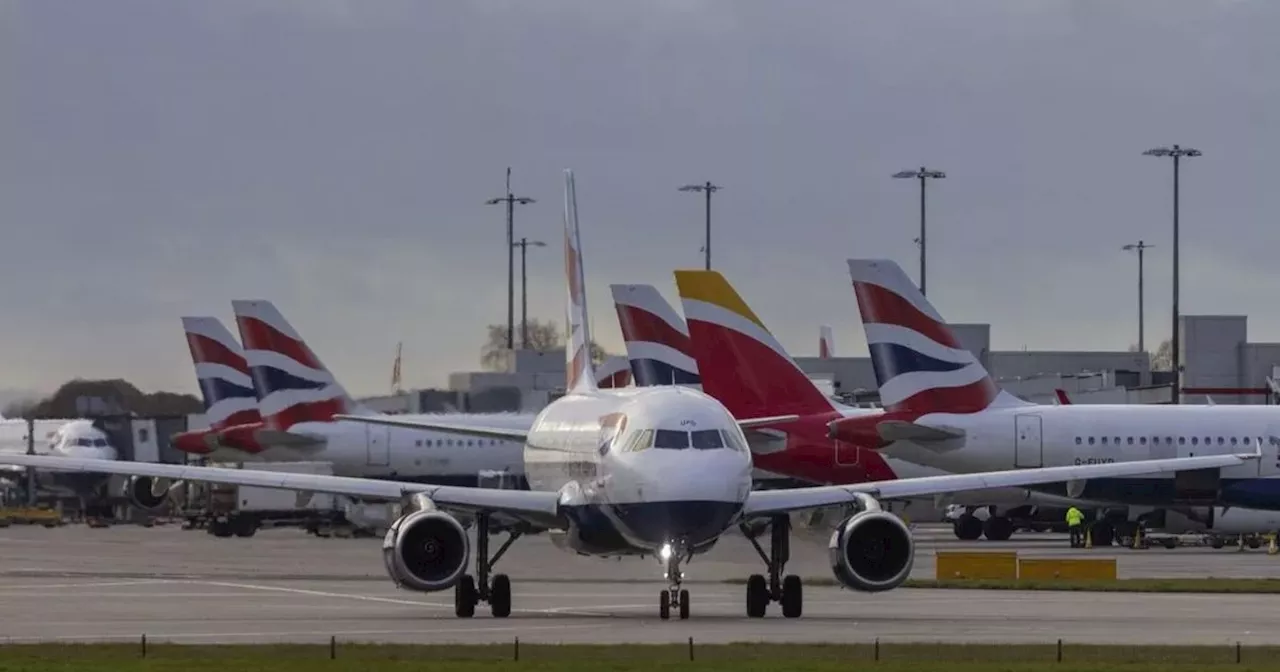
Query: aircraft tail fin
(656, 337)
(920, 365)
(739, 361)
(580, 375)
(293, 385)
(222, 373)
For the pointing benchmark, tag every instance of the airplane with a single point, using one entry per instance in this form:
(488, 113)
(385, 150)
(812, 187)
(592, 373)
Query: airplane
(944, 410)
(746, 368)
(651, 471)
(74, 438)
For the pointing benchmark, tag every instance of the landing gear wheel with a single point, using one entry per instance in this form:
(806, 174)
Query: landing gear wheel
(997, 528)
(967, 527)
(762, 591)
(792, 596)
(465, 597)
(684, 605)
(757, 596)
(500, 596)
(471, 591)
(1102, 534)
(664, 605)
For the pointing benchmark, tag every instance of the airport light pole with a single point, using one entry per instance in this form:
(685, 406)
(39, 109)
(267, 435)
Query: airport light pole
(524, 244)
(1141, 247)
(924, 175)
(707, 188)
(1176, 152)
(511, 201)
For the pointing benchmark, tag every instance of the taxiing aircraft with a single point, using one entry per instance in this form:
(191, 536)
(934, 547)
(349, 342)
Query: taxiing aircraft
(653, 471)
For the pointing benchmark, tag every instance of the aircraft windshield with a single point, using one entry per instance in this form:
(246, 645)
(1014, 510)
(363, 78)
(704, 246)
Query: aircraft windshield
(101, 443)
(671, 439)
(707, 439)
(83, 442)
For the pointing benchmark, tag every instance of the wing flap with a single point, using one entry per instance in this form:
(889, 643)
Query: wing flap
(768, 502)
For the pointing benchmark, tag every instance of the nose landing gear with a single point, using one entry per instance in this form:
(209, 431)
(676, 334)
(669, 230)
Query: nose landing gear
(672, 554)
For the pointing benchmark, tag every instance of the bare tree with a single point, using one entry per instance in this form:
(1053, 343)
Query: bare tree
(543, 335)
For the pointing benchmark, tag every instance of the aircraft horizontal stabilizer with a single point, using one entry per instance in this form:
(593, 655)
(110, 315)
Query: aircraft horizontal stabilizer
(769, 420)
(503, 433)
(900, 430)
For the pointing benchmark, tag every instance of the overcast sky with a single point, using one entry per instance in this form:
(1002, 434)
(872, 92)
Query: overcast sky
(160, 159)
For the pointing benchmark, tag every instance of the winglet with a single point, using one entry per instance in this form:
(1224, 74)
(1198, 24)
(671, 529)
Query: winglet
(580, 376)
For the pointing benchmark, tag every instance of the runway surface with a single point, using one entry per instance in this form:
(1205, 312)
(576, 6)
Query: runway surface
(75, 583)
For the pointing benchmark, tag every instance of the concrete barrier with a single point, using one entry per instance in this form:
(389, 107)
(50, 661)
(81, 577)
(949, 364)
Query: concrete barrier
(957, 565)
(1075, 569)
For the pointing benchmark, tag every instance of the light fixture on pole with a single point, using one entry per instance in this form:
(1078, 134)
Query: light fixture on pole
(1140, 247)
(707, 188)
(511, 202)
(1176, 152)
(524, 244)
(924, 174)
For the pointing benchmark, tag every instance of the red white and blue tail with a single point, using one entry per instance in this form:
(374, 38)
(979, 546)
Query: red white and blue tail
(919, 363)
(656, 336)
(222, 372)
(293, 385)
(580, 376)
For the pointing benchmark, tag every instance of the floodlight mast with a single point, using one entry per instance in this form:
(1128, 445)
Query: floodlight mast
(1176, 152)
(924, 174)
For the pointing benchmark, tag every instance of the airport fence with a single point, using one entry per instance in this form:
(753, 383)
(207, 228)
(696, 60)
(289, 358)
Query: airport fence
(876, 650)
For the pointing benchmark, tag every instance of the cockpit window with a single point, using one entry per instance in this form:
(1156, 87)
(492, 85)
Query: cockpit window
(707, 439)
(731, 439)
(83, 442)
(670, 438)
(639, 441)
(101, 443)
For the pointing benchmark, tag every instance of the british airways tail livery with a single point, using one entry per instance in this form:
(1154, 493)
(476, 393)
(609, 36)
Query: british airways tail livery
(656, 337)
(225, 385)
(659, 471)
(293, 385)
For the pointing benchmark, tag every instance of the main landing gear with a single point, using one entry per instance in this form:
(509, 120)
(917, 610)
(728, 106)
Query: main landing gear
(789, 590)
(473, 590)
(674, 596)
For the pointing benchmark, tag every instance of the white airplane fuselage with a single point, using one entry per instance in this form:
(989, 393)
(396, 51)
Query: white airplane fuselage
(621, 500)
(1050, 436)
(379, 451)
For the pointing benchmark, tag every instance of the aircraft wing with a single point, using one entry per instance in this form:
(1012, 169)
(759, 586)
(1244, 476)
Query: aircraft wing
(509, 434)
(540, 508)
(769, 502)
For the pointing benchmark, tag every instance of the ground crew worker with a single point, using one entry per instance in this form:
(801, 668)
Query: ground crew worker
(1075, 523)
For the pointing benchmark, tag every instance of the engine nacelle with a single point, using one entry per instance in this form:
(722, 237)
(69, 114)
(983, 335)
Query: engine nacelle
(873, 550)
(426, 549)
(149, 493)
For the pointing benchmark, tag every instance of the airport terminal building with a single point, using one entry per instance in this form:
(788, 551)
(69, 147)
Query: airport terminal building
(1219, 364)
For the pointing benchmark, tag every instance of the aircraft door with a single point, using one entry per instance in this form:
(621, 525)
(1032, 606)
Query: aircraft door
(1028, 452)
(378, 441)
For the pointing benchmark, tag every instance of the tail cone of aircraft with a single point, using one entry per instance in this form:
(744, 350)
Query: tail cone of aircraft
(201, 442)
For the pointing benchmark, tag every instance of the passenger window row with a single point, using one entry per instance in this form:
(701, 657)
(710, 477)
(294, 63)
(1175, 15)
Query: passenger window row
(441, 443)
(1168, 440)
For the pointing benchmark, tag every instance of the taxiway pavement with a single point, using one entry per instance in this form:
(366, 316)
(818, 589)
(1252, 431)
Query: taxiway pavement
(75, 583)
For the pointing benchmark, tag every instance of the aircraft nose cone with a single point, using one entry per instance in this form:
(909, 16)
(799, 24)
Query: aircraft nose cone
(696, 521)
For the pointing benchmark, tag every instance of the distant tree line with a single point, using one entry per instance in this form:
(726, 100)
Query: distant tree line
(115, 396)
(543, 335)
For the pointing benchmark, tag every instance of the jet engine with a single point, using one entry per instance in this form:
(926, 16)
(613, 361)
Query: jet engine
(426, 549)
(149, 493)
(872, 551)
